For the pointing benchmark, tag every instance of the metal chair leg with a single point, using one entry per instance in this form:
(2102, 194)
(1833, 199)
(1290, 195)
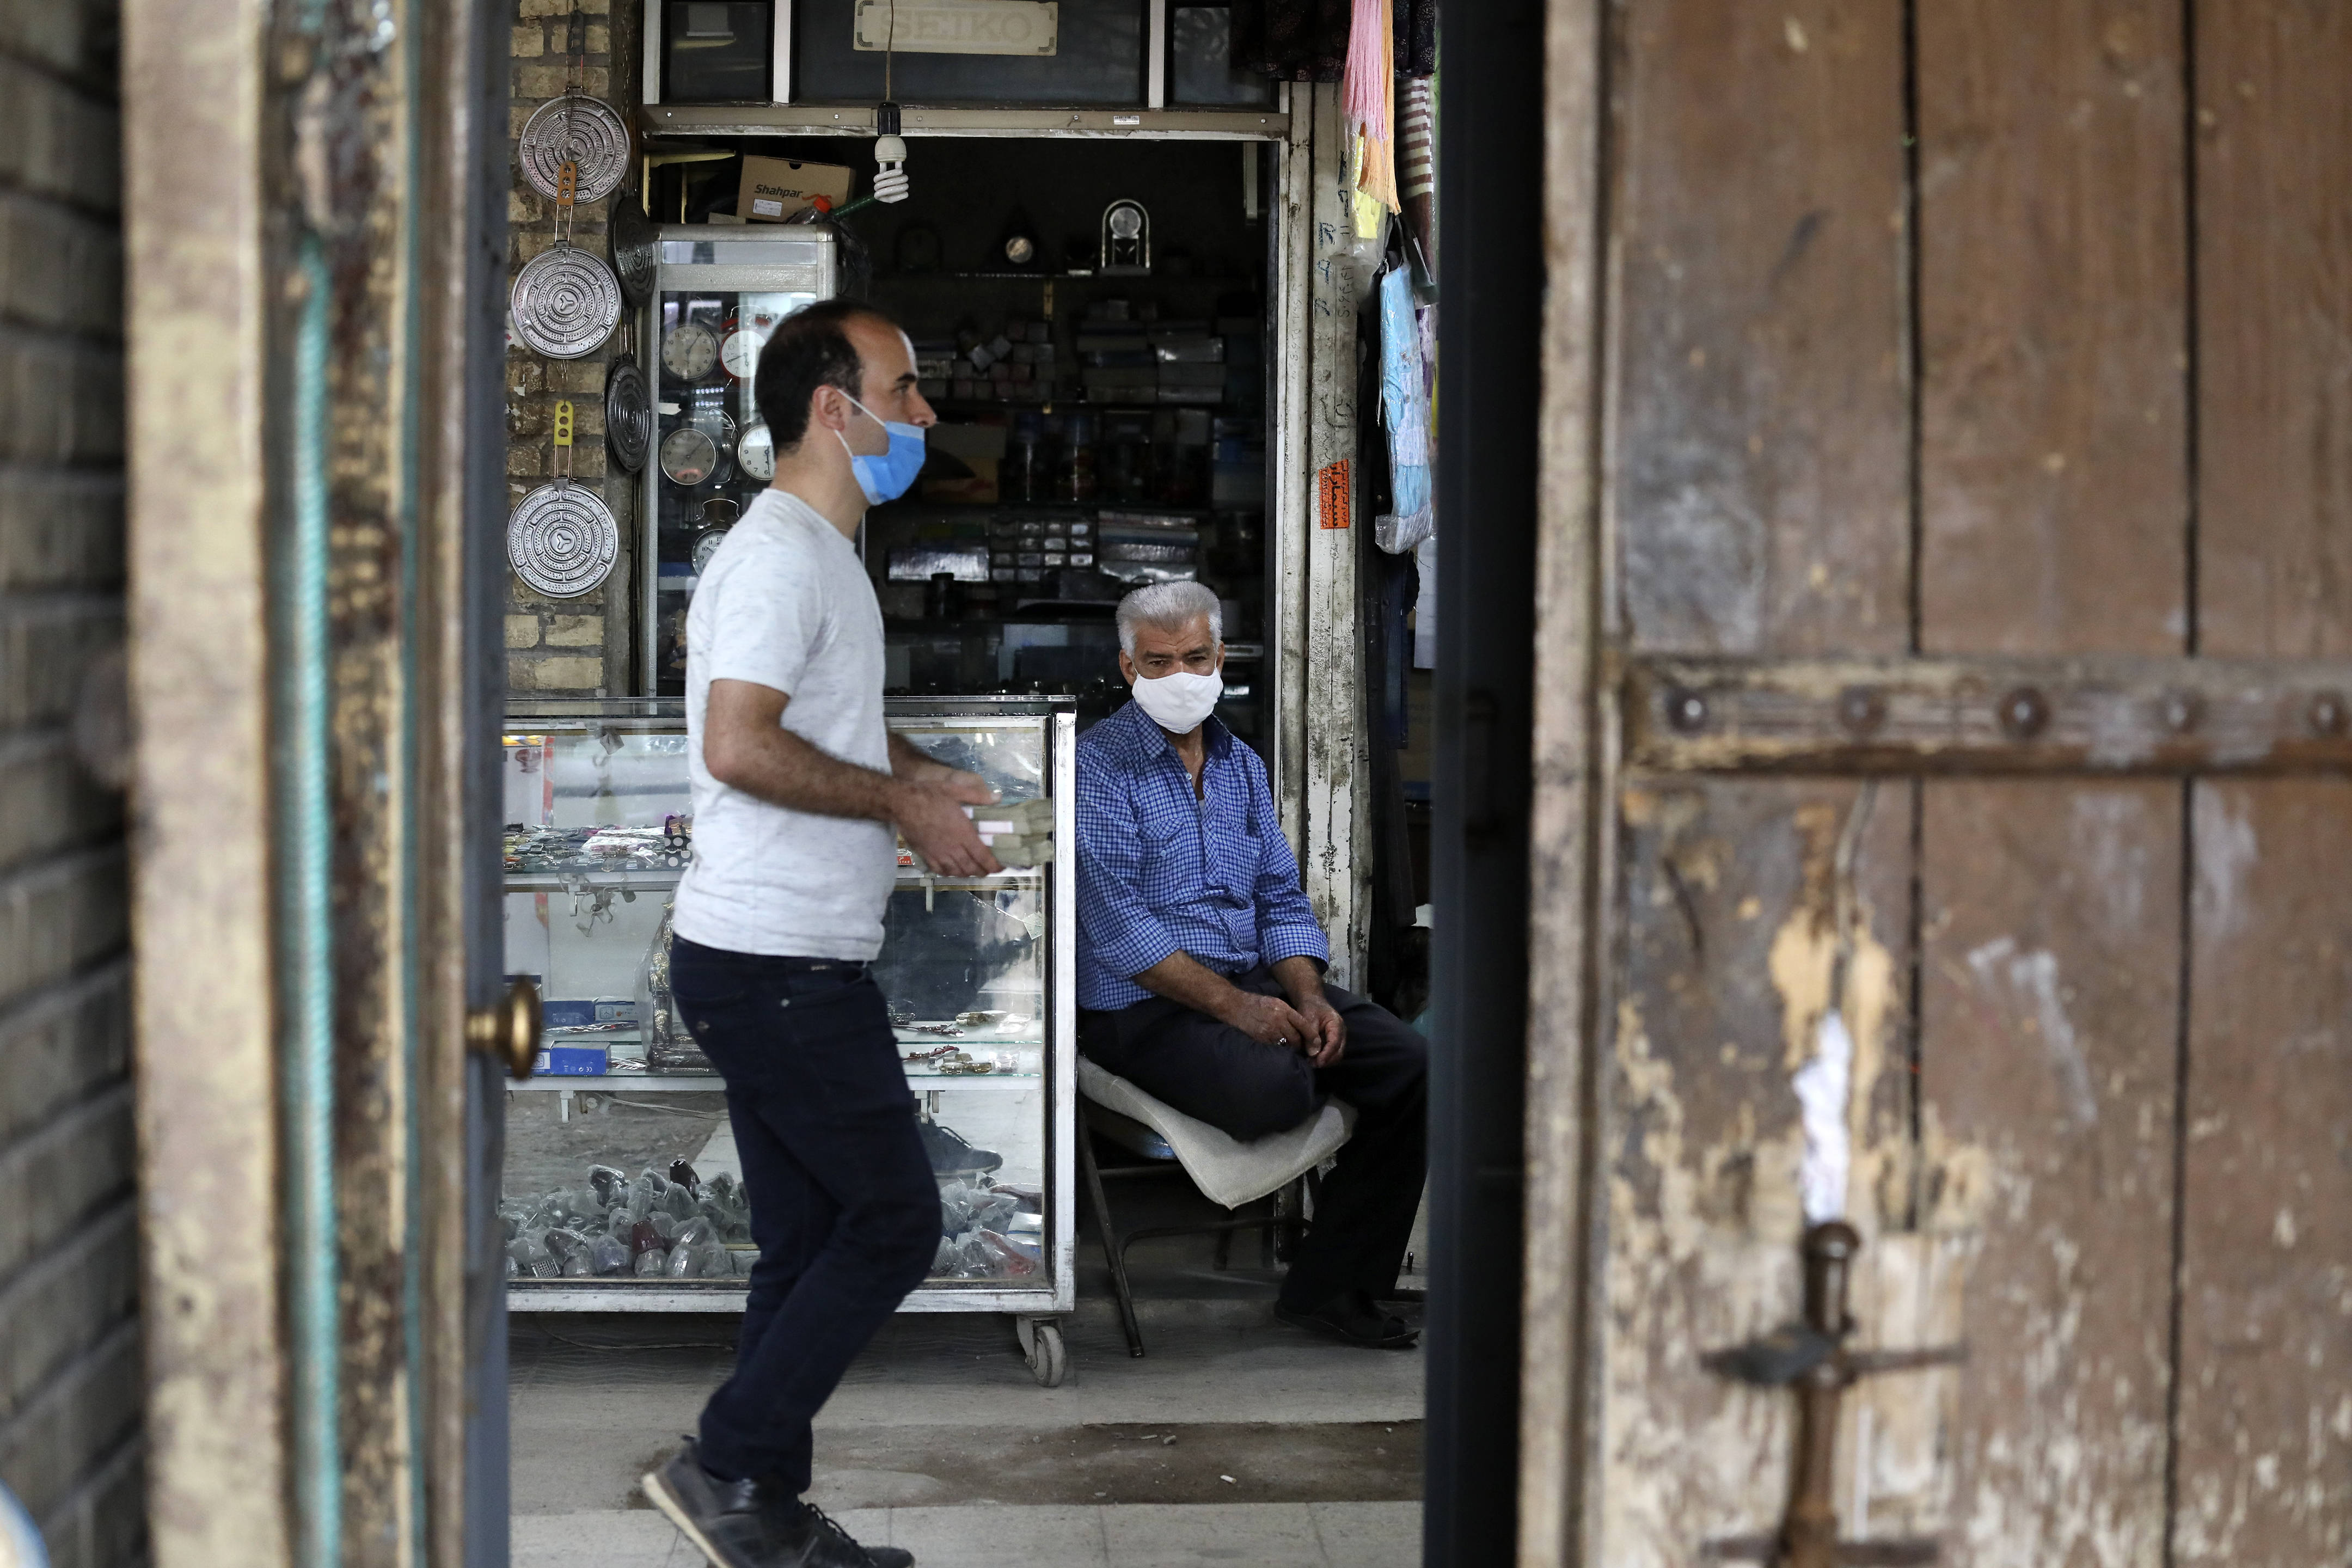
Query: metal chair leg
(1112, 1248)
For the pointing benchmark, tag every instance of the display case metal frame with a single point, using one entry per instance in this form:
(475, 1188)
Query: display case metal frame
(796, 259)
(1032, 1304)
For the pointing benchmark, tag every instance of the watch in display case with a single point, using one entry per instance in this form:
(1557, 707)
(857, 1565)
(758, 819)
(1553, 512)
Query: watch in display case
(756, 451)
(688, 351)
(689, 456)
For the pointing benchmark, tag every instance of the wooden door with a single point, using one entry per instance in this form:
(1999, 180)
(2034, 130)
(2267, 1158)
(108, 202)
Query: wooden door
(1947, 592)
(315, 221)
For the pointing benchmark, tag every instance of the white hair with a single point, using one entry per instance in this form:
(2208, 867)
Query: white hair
(1168, 608)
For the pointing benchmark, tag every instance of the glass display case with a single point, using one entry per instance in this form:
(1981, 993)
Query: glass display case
(622, 1188)
(719, 292)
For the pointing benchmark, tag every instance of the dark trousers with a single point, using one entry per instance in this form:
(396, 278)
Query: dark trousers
(1216, 1074)
(843, 1203)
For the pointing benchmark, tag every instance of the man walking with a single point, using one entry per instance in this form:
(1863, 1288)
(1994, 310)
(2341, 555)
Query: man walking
(797, 786)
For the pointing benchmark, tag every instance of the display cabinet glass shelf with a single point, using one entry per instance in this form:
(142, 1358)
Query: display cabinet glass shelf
(622, 1189)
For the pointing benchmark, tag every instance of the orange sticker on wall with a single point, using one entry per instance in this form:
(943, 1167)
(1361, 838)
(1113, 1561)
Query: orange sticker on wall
(1331, 495)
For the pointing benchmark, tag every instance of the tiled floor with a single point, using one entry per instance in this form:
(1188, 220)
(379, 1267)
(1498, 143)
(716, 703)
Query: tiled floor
(1250, 1535)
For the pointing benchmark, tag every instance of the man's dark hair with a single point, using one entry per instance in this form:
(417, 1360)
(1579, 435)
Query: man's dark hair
(810, 350)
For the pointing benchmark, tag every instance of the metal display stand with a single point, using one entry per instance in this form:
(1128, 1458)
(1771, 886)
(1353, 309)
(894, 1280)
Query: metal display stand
(647, 737)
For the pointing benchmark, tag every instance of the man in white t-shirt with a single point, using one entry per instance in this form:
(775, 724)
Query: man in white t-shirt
(798, 787)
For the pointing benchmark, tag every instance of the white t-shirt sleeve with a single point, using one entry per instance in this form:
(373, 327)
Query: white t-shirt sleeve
(770, 617)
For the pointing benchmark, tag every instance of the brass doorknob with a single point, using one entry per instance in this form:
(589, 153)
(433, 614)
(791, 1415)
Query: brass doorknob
(508, 1029)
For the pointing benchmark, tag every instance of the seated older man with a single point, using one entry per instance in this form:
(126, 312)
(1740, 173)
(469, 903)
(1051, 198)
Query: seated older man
(1200, 964)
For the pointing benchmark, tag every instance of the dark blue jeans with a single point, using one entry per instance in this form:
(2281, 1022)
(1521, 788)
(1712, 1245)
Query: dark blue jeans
(843, 1203)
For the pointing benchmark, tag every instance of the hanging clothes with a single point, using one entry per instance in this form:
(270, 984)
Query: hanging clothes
(1367, 99)
(1415, 31)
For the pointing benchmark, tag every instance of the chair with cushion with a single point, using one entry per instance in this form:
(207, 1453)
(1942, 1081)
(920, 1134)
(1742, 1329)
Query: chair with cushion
(1228, 1172)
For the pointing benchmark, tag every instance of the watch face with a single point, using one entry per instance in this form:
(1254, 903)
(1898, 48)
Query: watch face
(741, 353)
(689, 351)
(1019, 249)
(704, 543)
(1125, 221)
(757, 453)
(687, 456)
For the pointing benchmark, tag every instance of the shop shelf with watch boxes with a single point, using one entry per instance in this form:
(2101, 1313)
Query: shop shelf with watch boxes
(718, 293)
(621, 1187)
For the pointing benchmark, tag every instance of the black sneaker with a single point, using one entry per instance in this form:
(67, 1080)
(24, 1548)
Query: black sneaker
(804, 1528)
(743, 1524)
(1352, 1317)
(727, 1522)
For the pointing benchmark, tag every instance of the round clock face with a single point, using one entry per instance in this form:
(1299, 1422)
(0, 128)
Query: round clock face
(1019, 249)
(704, 543)
(1126, 221)
(689, 457)
(689, 351)
(757, 452)
(741, 353)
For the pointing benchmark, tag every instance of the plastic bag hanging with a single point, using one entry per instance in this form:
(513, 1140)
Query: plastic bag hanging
(1404, 408)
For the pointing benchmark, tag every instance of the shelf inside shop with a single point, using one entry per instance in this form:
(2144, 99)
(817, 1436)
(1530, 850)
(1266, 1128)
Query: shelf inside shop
(1218, 280)
(711, 1083)
(1018, 877)
(555, 881)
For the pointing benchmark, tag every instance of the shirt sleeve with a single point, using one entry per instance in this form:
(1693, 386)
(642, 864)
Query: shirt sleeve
(1286, 926)
(770, 617)
(1115, 923)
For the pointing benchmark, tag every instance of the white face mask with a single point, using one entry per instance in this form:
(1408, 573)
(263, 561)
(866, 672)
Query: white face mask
(1179, 701)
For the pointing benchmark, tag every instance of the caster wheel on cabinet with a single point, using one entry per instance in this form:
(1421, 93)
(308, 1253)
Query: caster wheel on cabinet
(1042, 1347)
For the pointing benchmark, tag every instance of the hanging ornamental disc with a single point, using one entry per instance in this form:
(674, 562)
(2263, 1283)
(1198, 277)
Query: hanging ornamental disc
(628, 413)
(582, 129)
(564, 302)
(561, 540)
(636, 251)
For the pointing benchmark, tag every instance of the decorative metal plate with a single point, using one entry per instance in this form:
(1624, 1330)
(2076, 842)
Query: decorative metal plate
(636, 251)
(628, 413)
(561, 540)
(582, 129)
(564, 303)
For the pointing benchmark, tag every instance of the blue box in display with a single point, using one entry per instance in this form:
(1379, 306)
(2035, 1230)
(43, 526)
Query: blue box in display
(575, 1061)
(580, 1013)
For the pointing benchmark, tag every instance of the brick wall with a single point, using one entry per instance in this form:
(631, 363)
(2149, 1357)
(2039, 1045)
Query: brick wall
(567, 648)
(70, 1369)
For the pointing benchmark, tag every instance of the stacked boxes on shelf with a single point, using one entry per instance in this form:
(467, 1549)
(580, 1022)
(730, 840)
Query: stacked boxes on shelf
(1024, 549)
(1013, 364)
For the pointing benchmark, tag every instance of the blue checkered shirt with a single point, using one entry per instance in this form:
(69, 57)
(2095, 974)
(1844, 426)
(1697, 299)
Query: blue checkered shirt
(1160, 872)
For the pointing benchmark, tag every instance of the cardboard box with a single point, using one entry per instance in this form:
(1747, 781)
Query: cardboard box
(775, 189)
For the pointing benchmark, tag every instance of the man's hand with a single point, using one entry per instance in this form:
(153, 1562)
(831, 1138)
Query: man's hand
(1269, 1020)
(1326, 1032)
(930, 817)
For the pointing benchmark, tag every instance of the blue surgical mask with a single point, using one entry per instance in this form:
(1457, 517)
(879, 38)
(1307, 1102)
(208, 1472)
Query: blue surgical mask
(892, 474)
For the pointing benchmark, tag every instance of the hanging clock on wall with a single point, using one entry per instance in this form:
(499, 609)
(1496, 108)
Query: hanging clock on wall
(756, 452)
(689, 351)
